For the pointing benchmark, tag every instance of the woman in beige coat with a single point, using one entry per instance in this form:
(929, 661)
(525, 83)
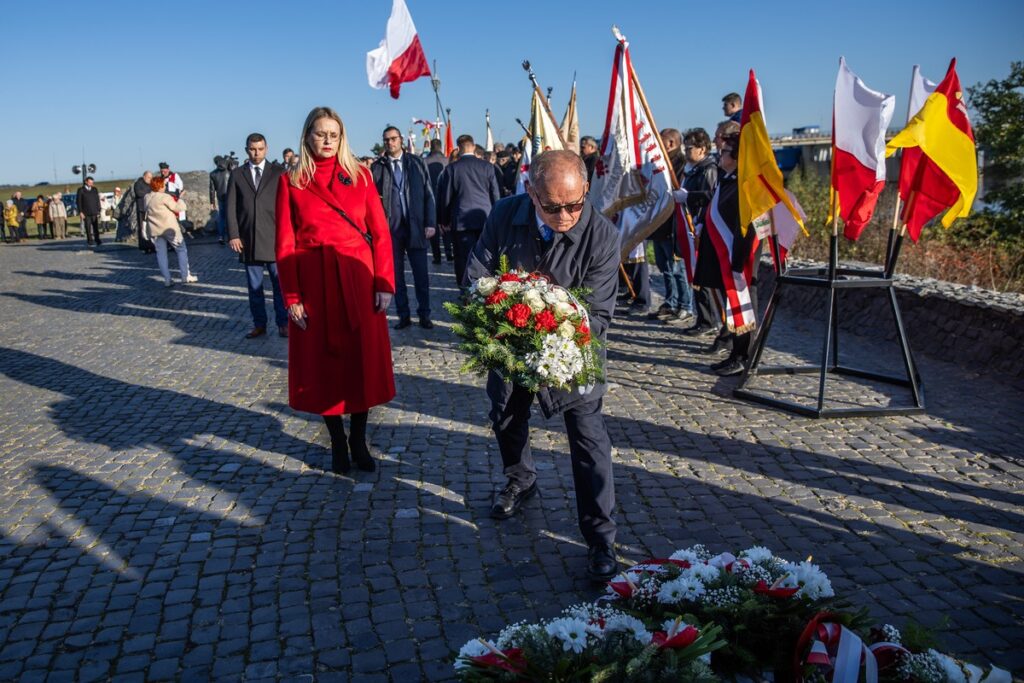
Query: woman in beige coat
(162, 227)
(59, 216)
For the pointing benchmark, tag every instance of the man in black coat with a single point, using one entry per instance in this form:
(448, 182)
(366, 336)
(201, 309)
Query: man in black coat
(252, 229)
(555, 230)
(88, 198)
(142, 188)
(403, 182)
(219, 179)
(466, 192)
(436, 163)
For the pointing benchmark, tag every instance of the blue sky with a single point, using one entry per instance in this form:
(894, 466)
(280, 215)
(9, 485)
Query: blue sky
(259, 65)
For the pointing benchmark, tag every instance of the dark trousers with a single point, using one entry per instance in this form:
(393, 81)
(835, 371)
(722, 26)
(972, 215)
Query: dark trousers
(589, 448)
(704, 308)
(464, 241)
(257, 300)
(91, 228)
(441, 238)
(639, 275)
(420, 278)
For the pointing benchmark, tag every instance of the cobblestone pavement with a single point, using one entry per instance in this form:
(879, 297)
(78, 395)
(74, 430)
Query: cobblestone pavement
(164, 514)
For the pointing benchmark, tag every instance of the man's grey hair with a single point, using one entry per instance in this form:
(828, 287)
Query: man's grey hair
(553, 162)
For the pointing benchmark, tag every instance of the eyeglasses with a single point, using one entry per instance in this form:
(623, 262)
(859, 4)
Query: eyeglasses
(572, 207)
(324, 136)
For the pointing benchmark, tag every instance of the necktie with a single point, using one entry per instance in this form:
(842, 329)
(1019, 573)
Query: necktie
(259, 174)
(396, 170)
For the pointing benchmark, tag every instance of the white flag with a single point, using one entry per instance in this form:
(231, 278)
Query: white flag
(632, 182)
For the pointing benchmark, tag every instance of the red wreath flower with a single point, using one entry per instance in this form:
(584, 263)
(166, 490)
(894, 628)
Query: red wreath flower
(496, 298)
(680, 640)
(545, 321)
(509, 277)
(584, 333)
(518, 315)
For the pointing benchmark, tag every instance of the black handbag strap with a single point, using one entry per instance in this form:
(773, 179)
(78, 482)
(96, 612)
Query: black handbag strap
(341, 212)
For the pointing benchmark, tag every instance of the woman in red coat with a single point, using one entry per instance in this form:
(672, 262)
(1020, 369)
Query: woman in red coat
(337, 276)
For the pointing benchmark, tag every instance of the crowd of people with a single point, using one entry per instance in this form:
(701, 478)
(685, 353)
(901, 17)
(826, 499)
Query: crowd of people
(332, 233)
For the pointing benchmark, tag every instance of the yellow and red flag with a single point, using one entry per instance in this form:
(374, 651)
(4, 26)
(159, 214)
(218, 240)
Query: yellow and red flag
(946, 175)
(758, 176)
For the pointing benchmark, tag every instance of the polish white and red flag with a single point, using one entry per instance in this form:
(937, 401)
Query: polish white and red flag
(860, 117)
(400, 57)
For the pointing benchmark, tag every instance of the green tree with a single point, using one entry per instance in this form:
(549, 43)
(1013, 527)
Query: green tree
(999, 130)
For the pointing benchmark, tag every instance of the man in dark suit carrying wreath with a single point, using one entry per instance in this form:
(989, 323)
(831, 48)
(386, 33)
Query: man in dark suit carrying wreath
(554, 230)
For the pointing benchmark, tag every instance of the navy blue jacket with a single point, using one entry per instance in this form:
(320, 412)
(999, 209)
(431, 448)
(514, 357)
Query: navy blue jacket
(466, 192)
(419, 197)
(587, 256)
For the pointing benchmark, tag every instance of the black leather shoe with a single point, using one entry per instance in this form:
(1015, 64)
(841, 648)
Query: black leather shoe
(601, 563)
(426, 324)
(403, 323)
(362, 457)
(698, 331)
(256, 332)
(508, 501)
(718, 347)
(732, 366)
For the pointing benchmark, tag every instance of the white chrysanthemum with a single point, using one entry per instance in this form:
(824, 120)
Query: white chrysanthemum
(686, 555)
(534, 300)
(474, 648)
(486, 285)
(560, 359)
(813, 582)
(683, 588)
(572, 632)
(630, 624)
(757, 553)
(705, 573)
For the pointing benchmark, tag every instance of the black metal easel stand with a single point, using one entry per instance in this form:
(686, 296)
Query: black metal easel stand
(833, 279)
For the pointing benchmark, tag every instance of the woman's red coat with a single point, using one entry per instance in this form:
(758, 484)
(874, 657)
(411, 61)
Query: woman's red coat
(341, 362)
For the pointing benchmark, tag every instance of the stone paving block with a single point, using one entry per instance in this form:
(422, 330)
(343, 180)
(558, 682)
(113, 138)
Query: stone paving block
(166, 515)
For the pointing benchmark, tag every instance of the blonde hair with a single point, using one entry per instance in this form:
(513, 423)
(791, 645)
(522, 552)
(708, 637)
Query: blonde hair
(302, 174)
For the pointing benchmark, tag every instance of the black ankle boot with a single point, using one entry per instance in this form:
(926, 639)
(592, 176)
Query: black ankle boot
(361, 454)
(340, 464)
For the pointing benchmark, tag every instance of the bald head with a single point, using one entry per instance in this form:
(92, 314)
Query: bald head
(558, 169)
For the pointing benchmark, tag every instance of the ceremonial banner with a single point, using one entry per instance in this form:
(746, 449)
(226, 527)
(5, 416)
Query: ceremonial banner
(786, 229)
(449, 145)
(489, 144)
(758, 175)
(860, 117)
(632, 182)
(399, 58)
(739, 310)
(544, 135)
(571, 123)
(939, 172)
(686, 239)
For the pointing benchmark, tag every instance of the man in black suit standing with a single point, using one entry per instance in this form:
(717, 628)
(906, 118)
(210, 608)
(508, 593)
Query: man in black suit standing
(252, 231)
(403, 182)
(556, 231)
(436, 163)
(467, 191)
(89, 209)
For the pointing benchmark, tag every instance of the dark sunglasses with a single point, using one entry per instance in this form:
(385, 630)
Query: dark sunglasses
(572, 207)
